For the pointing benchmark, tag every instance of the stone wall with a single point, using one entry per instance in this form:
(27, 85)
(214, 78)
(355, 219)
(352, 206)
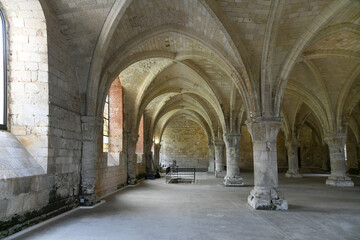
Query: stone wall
(282, 159)
(186, 142)
(311, 156)
(110, 178)
(46, 118)
(246, 150)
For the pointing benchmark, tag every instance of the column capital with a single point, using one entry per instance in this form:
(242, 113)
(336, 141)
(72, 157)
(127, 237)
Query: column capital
(91, 126)
(264, 128)
(219, 143)
(336, 140)
(291, 143)
(133, 137)
(232, 139)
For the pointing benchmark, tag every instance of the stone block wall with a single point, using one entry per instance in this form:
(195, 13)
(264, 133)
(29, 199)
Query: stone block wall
(311, 155)
(186, 142)
(110, 178)
(44, 114)
(246, 150)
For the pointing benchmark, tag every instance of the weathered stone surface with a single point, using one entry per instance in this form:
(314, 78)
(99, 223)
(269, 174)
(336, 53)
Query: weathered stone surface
(338, 175)
(264, 133)
(186, 142)
(293, 159)
(232, 178)
(219, 159)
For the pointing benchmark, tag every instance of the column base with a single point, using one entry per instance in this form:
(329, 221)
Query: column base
(338, 181)
(293, 175)
(220, 174)
(266, 199)
(233, 181)
(132, 181)
(88, 200)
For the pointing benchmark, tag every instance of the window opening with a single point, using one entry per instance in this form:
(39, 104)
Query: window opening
(106, 126)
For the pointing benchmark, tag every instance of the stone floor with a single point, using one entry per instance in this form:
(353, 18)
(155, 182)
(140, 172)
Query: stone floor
(208, 210)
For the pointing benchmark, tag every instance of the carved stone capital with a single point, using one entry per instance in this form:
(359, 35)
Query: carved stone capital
(335, 141)
(232, 140)
(264, 129)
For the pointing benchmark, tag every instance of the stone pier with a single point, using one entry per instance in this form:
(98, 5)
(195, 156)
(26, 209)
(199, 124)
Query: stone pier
(157, 147)
(219, 159)
(211, 168)
(292, 146)
(91, 128)
(338, 175)
(232, 177)
(132, 140)
(265, 194)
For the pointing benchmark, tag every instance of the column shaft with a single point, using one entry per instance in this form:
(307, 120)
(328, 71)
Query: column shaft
(219, 159)
(265, 195)
(338, 175)
(132, 140)
(211, 158)
(157, 147)
(293, 159)
(232, 177)
(91, 128)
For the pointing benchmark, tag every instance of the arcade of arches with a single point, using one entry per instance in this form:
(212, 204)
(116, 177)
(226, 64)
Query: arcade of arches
(103, 93)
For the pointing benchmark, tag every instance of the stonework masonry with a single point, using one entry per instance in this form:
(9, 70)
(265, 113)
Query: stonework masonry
(232, 178)
(185, 142)
(284, 74)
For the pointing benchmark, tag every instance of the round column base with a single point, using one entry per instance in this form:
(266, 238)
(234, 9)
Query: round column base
(293, 175)
(220, 174)
(234, 181)
(338, 181)
(266, 199)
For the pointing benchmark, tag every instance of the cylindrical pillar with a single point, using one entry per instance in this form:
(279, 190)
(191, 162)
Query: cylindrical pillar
(157, 147)
(265, 194)
(219, 159)
(292, 146)
(211, 167)
(131, 167)
(232, 178)
(338, 175)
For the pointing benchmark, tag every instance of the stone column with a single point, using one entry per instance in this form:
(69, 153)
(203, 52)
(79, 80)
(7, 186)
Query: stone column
(148, 158)
(211, 168)
(157, 147)
(338, 175)
(265, 194)
(91, 128)
(232, 177)
(358, 155)
(293, 159)
(131, 170)
(219, 159)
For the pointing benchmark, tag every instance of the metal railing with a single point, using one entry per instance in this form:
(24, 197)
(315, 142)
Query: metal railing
(175, 174)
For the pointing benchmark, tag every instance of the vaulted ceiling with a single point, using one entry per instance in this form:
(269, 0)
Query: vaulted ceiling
(219, 61)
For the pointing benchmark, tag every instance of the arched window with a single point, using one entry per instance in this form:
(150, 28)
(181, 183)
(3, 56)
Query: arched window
(106, 126)
(2, 73)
